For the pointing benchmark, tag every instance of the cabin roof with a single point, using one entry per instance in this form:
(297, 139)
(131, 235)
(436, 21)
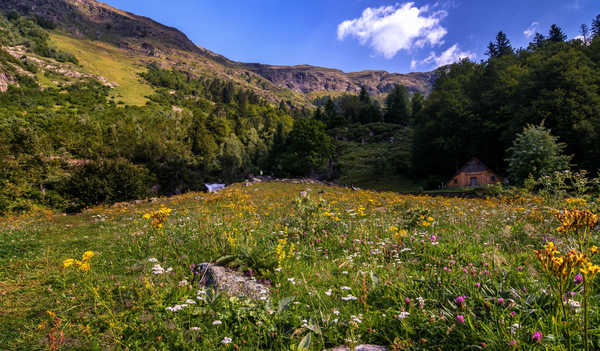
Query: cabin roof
(474, 165)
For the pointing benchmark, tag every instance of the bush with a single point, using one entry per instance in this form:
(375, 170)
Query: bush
(535, 152)
(107, 181)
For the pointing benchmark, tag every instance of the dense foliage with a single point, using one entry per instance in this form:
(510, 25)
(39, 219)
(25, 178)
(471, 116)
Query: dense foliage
(536, 153)
(478, 109)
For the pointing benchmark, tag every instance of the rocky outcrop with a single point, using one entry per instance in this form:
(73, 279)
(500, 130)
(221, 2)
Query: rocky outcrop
(229, 281)
(308, 79)
(359, 348)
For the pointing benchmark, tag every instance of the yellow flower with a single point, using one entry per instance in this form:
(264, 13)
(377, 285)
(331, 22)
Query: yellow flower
(84, 267)
(87, 255)
(68, 262)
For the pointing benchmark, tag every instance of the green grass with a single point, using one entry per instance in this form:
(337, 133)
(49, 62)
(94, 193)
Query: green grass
(110, 62)
(339, 245)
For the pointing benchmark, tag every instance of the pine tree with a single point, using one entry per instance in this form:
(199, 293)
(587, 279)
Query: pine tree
(397, 106)
(539, 40)
(556, 34)
(503, 46)
(596, 27)
(585, 33)
(492, 52)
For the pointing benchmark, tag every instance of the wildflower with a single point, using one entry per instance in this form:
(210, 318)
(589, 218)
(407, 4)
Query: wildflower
(226, 340)
(460, 319)
(403, 315)
(87, 255)
(421, 302)
(345, 288)
(183, 283)
(500, 301)
(514, 328)
(68, 262)
(355, 319)
(460, 301)
(152, 260)
(407, 300)
(477, 285)
(513, 343)
(578, 279)
(328, 292)
(217, 322)
(537, 337)
(349, 297)
(195, 328)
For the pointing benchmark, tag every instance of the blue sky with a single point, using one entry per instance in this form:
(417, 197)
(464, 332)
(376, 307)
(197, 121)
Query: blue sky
(355, 35)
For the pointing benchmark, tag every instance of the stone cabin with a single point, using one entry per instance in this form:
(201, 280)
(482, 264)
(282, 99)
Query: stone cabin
(474, 173)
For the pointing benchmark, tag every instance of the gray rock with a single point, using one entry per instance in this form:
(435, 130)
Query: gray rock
(359, 348)
(230, 282)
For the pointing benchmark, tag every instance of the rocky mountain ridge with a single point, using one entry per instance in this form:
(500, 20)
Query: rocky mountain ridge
(94, 20)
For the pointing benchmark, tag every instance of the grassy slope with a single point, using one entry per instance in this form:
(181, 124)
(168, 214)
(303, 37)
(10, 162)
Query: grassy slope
(336, 238)
(110, 62)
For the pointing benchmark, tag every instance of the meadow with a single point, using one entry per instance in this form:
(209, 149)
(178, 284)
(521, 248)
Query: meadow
(344, 267)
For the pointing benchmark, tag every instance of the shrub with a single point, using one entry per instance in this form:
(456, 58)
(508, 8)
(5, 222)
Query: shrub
(107, 181)
(535, 152)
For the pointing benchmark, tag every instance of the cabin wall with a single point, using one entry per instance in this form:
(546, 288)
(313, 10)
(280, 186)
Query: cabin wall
(463, 179)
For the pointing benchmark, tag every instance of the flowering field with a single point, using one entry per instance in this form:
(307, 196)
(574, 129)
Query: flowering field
(343, 267)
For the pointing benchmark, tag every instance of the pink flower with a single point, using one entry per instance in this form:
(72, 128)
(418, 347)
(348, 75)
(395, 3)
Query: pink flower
(460, 301)
(537, 337)
(407, 300)
(460, 319)
(578, 279)
(477, 285)
(500, 301)
(520, 269)
(513, 343)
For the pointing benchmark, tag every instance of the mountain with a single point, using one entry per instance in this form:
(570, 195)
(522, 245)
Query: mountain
(88, 27)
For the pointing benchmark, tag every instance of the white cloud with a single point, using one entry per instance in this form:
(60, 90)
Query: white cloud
(389, 29)
(413, 64)
(453, 54)
(531, 30)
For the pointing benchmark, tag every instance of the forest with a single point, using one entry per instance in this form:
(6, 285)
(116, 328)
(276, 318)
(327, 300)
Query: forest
(73, 146)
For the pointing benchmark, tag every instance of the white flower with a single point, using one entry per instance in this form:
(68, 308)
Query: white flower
(514, 328)
(335, 320)
(217, 322)
(349, 297)
(345, 272)
(183, 283)
(157, 269)
(291, 280)
(345, 288)
(152, 259)
(328, 292)
(355, 319)
(226, 341)
(195, 328)
(403, 315)
(190, 301)
(421, 301)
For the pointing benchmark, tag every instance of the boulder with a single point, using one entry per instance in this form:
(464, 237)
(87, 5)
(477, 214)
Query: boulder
(359, 348)
(228, 281)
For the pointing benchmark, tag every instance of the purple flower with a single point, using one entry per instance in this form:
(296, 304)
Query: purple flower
(407, 300)
(460, 301)
(460, 319)
(578, 279)
(477, 285)
(537, 337)
(520, 269)
(513, 343)
(500, 301)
